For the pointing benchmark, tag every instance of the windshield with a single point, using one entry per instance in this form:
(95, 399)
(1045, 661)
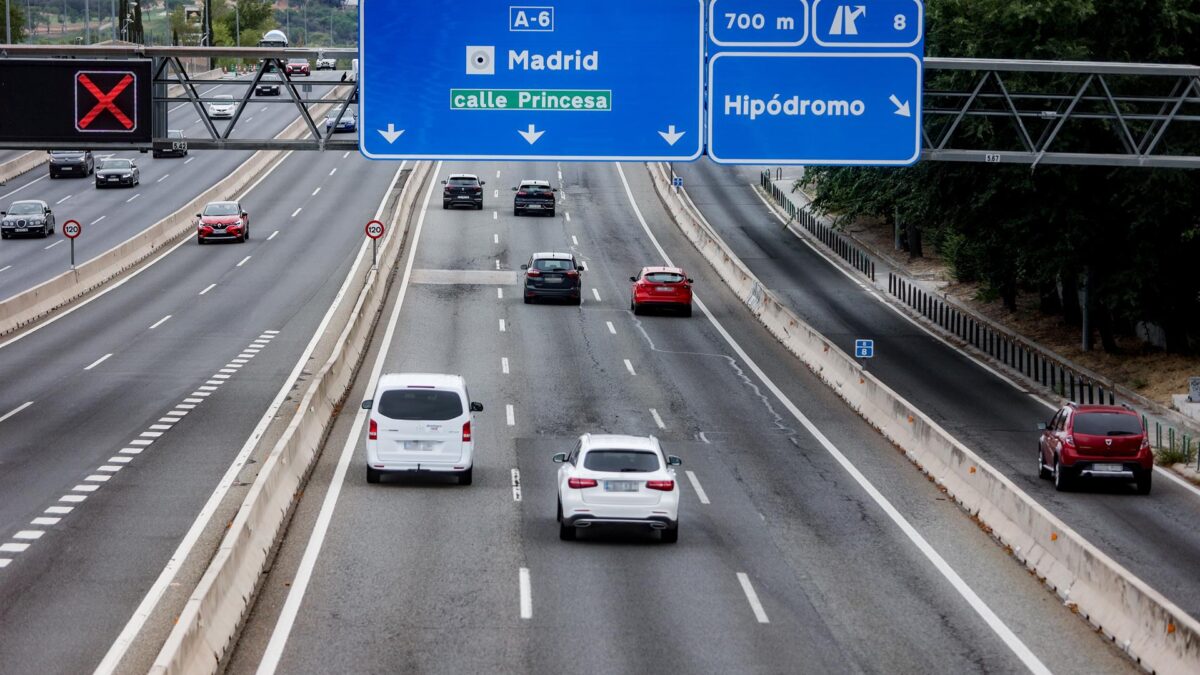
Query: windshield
(664, 278)
(116, 164)
(298, 61)
(221, 209)
(25, 208)
(1107, 424)
(67, 154)
(224, 97)
(420, 404)
(530, 187)
(621, 461)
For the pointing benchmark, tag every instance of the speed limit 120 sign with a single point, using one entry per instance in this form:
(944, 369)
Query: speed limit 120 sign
(375, 229)
(72, 229)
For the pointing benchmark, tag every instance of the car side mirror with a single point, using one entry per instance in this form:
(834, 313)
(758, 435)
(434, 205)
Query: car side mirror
(3, 213)
(1041, 426)
(524, 267)
(672, 460)
(559, 458)
(582, 267)
(443, 182)
(514, 189)
(49, 212)
(483, 182)
(554, 189)
(366, 405)
(198, 215)
(245, 215)
(690, 281)
(633, 279)
(476, 406)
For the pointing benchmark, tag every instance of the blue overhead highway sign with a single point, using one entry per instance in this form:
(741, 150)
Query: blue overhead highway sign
(873, 23)
(546, 79)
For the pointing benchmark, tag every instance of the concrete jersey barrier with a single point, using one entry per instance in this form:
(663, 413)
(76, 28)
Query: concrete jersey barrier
(1161, 636)
(209, 623)
(31, 305)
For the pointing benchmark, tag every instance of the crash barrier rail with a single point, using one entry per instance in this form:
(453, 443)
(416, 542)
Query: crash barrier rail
(26, 307)
(827, 235)
(1140, 620)
(19, 165)
(208, 625)
(1036, 364)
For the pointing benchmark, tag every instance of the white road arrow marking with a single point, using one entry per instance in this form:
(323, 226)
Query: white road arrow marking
(670, 135)
(531, 135)
(391, 134)
(901, 108)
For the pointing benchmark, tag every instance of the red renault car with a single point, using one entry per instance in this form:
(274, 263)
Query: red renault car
(1095, 442)
(222, 221)
(661, 287)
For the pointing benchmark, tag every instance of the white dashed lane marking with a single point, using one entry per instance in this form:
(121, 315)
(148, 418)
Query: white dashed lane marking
(510, 415)
(16, 410)
(165, 176)
(273, 235)
(297, 211)
(657, 419)
(160, 322)
(133, 198)
(47, 248)
(243, 262)
(97, 220)
(208, 288)
(629, 367)
(596, 293)
(98, 361)
(611, 328)
(62, 200)
(504, 365)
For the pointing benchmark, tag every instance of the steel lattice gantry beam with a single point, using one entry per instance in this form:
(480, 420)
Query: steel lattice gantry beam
(974, 110)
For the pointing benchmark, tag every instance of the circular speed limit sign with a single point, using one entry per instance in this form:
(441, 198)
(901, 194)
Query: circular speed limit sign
(375, 229)
(72, 229)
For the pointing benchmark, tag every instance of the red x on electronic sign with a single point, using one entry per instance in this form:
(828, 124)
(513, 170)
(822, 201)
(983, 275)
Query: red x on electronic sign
(105, 101)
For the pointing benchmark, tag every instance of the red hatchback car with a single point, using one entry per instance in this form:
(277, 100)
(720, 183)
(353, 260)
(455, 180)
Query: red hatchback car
(297, 67)
(1095, 441)
(222, 221)
(663, 287)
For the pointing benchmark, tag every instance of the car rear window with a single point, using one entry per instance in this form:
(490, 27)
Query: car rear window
(464, 181)
(1107, 424)
(664, 277)
(553, 265)
(536, 188)
(622, 461)
(420, 404)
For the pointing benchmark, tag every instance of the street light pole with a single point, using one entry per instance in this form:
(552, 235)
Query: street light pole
(237, 23)
(113, 22)
(87, 21)
(7, 24)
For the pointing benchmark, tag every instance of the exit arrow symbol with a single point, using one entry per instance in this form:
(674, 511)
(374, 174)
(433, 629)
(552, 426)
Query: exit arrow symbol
(901, 108)
(670, 135)
(391, 134)
(532, 136)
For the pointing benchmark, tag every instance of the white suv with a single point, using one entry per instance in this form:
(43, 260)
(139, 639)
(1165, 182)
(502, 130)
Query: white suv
(420, 422)
(610, 479)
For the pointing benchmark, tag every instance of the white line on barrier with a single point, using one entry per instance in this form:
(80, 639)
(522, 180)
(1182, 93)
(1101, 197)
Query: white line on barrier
(509, 415)
(287, 616)
(47, 248)
(133, 198)
(243, 262)
(1010, 639)
(98, 361)
(62, 200)
(629, 367)
(16, 410)
(159, 322)
(760, 614)
(611, 328)
(657, 420)
(526, 594)
(696, 486)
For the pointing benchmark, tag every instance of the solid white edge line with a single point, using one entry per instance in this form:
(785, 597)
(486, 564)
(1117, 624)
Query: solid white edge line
(1010, 639)
(140, 615)
(696, 486)
(98, 361)
(291, 606)
(16, 410)
(760, 614)
(121, 282)
(526, 593)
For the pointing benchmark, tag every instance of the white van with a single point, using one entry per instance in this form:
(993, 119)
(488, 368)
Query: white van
(420, 422)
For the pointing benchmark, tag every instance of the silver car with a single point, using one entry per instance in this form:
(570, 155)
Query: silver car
(223, 107)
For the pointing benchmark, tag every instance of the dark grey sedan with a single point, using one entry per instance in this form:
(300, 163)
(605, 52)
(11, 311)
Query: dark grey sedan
(117, 173)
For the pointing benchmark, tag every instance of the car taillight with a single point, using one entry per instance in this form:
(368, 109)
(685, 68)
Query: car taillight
(446, 190)
(574, 274)
(1069, 441)
(477, 189)
(580, 483)
(533, 272)
(373, 431)
(522, 193)
(1145, 443)
(466, 432)
(664, 485)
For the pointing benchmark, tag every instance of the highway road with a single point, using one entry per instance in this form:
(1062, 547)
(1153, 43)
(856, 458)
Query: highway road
(1155, 537)
(110, 216)
(118, 419)
(787, 560)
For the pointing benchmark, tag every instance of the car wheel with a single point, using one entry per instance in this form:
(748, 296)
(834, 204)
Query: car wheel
(479, 206)
(633, 306)
(445, 205)
(464, 478)
(566, 532)
(551, 213)
(558, 511)
(45, 231)
(49, 230)
(1043, 472)
(671, 534)
(1144, 480)
(577, 301)
(528, 300)
(199, 240)
(3, 235)
(517, 212)
(1062, 482)
(373, 475)
(687, 310)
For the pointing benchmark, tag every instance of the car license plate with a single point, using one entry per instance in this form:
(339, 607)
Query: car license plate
(67, 168)
(533, 206)
(22, 229)
(620, 486)
(663, 289)
(554, 280)
(415, 445)
(113, 178)
(1108, 467)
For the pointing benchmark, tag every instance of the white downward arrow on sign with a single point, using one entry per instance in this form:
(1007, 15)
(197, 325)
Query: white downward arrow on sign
(532, 136)
(901, 108)
(670, 135)
(391, 134)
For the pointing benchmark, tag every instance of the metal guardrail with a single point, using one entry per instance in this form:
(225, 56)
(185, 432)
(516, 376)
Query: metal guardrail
(847, 251)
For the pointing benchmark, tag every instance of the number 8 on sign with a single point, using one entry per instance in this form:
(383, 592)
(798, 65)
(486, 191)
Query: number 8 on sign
(375, 229)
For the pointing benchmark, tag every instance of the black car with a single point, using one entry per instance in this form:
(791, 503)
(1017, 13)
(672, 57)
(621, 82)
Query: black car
(177, 148)
(117, 172)
(462, 189)
(534, 195)
(268, 85)
(553, 275)
(30, 216)
(71, 163)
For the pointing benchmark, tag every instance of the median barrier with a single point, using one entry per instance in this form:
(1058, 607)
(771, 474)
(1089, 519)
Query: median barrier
(208, 625)
(1142, 622)
(24, 308)
(19, 165)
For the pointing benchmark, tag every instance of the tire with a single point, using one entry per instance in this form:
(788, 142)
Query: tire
(633, 306)
(1043, 472)
(445, 205)
(551, 213)
(45, 231)
(578, 301)
(479, 206)
(517, 212)
(566, 532)
(3, 235)
(199, 240)
(465, 477)
(247, 237)
(53, 175)
(687, 311)
(1062, 481)
(528, 300)
(373, 475)
(1144, 481)
(558, 512)
(671, 534)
